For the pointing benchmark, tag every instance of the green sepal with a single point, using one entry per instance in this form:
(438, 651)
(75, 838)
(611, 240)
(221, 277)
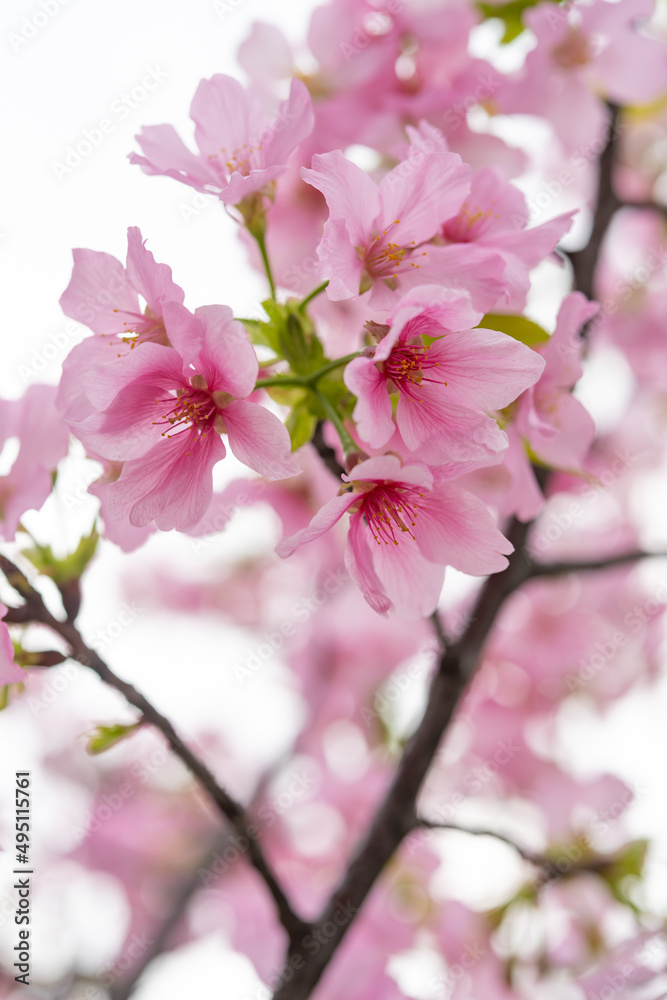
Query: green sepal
(104, 737)
(69, 568)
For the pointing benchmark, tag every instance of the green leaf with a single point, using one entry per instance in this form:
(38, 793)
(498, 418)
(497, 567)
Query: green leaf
(301, 425)
(518, 327)
(628, 864)
(510, 14)
(104, 737)
(71, 567)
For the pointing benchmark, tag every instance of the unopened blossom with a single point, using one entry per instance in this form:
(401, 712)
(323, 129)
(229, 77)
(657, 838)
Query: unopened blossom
(10, 672)
(404, 529)
(43, 440)
(378, 236)
(162, 417)
(107, 297)
(446, 383)
(242, 148)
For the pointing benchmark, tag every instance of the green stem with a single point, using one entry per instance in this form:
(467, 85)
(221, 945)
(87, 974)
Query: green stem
(261, 243)
(313, 295)
(305, 381)
(291, 380)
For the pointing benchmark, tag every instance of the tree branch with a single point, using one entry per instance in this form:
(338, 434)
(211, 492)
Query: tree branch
(584, 261)
(228, 806)
(538, 570)
(547, 865)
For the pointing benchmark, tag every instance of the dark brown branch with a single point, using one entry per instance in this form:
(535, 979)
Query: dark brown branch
(396, 816)
(584, 261)
(326, 453)
(548, 865)
(591, 565)
(228, 806)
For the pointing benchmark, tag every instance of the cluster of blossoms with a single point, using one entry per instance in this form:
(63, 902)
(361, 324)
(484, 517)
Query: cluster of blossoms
(398, 407)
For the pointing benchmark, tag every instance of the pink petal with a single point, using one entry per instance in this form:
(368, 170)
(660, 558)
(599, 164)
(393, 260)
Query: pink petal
(171, 485)
(485, 369)
(453, 432)
(289, 125)
(225, 117)
(184, 331)
(455, 528)
(421, 193)
(359, 564)
(167, 155)
(464, 266)
(98, 287)
(152, 363)
(227, 361)
(153, 281)
(372, 412)
(259, 439)
(323, 521)
(350, 193)
(339, 263)
(411, 582)
(389, 468)
(10, 672)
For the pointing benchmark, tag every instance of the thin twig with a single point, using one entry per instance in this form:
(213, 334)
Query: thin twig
(591, 565)
(228, 806)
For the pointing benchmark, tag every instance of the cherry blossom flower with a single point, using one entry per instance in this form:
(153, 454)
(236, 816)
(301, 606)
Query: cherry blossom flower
(446, 384)
(495, 215)
(404, 529)
(242, 150)
(378, 236)
(162, 417)
(106, 297)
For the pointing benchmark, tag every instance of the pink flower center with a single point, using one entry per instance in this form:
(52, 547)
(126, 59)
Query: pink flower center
(240, 160)
(573, 51)
(406, 366)
(388, 510)
(139, 328)
(384, 258)
(190, 409)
